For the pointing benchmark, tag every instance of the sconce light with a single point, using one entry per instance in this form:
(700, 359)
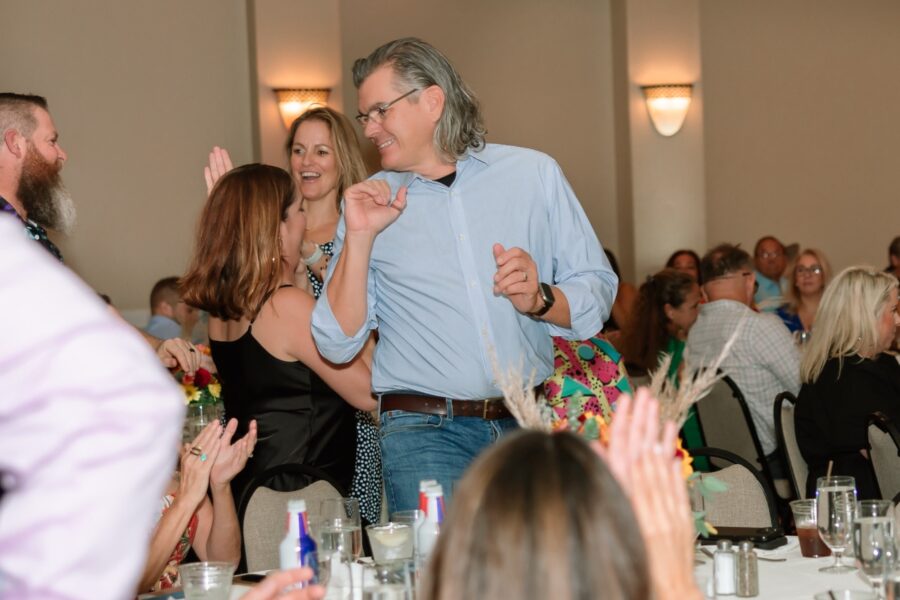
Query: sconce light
(294, 102)
(668, 105)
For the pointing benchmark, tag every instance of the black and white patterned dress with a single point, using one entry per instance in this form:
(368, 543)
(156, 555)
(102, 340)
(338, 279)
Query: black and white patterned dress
(366, 486)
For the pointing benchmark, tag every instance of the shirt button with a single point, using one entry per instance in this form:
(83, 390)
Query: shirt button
(472, 283)
(461, 237)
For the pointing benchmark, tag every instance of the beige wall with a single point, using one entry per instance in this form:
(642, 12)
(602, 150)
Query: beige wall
(667, 185)
(139, 91)
(543, 73)
(297, 45)
(801, 128)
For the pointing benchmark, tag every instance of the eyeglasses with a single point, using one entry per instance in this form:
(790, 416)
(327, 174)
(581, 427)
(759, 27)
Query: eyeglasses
(813, 270)
(377, 114)
(775, 254)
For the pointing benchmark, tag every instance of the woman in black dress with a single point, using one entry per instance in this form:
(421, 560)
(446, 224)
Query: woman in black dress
(247, 273)
(847, 376)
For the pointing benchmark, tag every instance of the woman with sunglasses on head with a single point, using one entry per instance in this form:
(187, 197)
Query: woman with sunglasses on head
(809, 276)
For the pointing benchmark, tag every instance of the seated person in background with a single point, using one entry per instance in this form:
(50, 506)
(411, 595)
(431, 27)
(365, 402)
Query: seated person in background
(894, 258)
(613, 527)
(252, 282)
(686, 261)
(770, 260)
(847, 376)
(626, 296)
(809, 276)
(189, 517)
(763, 361)
(170, 316)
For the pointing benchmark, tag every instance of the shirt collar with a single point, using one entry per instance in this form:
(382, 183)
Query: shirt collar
(467, 161)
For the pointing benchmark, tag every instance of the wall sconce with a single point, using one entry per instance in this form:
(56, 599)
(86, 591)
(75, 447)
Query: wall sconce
(668, 105)
(294, 102)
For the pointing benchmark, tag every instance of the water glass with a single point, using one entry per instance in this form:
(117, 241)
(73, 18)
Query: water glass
(873, 541)
(414, 518)
(835, 511)
(335, 573)
(199, 416)
(811, 544)
(338, 526)
(206, 580)
(389, 583)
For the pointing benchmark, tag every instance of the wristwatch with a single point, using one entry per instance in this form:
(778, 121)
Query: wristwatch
(547, 296)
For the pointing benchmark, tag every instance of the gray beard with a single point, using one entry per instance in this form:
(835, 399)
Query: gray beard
(44, 196)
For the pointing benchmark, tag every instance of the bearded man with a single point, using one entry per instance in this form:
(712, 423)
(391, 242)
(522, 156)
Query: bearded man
(30, 163)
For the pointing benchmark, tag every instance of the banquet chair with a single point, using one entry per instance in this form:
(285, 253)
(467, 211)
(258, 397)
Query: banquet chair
(748, 500)
(884, 453)
(787, 442)
(262, 510)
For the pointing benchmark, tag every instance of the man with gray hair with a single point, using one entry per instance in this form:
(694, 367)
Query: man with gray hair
(30, 162)
(465, 256)
(763, 361)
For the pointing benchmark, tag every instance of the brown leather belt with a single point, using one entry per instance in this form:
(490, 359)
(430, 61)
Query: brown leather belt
(489, 409)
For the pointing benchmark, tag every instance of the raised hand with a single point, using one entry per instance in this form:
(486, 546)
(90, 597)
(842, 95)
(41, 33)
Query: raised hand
(176, 352)
(232, 457)
(369, 206)
(219, 164)
(517, 278)
(197, 460)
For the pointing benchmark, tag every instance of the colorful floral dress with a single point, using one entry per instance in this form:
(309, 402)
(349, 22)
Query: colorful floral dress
(592, 367)
(169, 577)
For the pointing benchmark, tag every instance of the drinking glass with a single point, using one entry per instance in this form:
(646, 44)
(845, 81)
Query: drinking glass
(390, 542)
(206, 580)
(335, 573)
(338, 526)
(835, 508)
(199, 416)
(873, 541)
(811, 544)
(381, 583)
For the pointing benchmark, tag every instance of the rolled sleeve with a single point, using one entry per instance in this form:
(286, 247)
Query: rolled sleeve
(331, 341)
(580, 268)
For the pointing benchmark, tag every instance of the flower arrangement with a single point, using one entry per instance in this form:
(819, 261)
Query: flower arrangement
(201, 387)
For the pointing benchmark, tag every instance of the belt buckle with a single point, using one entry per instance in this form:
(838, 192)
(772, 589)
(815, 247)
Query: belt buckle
(484, 409)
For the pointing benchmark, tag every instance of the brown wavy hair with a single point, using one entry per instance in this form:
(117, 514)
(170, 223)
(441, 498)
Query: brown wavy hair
(237, 254)
(539, 516)
(647, 336)
(350, 163)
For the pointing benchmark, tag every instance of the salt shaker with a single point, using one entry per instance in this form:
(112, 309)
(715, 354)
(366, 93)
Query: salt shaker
(747, 571)
(723, 569)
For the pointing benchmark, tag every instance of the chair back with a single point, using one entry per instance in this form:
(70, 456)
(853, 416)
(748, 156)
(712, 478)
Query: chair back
(726, 423)
(884, 453)
(787, 441)
(748, 500)
(262, 510)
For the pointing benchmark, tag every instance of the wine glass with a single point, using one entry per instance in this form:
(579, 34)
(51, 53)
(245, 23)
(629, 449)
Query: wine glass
(338, 526)
(835, 510)
(335, 573)
(873, 541)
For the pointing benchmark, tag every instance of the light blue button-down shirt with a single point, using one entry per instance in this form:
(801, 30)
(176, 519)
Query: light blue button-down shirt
(430, 283)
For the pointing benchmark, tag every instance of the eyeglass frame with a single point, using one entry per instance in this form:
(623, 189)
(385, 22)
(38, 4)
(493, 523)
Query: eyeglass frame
(775, 254)
(364, 118)
(813, 270)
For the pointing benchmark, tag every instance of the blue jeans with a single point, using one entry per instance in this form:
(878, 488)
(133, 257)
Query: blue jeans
(417, 446)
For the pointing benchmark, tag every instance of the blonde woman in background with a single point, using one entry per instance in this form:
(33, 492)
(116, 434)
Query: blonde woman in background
(809, 275)
(847, 376)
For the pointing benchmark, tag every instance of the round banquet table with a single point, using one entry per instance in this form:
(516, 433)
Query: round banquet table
(793, 579)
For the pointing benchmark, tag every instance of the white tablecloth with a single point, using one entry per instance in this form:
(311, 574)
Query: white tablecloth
(794, 579)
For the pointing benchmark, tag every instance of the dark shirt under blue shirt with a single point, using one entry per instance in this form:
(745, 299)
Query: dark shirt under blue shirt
(34, 230)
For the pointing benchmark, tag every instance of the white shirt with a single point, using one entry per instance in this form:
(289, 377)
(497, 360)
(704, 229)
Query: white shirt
(763, 361)
(89, 427)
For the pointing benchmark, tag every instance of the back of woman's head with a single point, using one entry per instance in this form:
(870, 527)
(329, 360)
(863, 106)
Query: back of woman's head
(648, 332)
(237, 251)
(847, 319)
(539, 516)
(350, 163)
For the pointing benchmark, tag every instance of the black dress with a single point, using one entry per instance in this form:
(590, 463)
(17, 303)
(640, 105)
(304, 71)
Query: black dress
(832, 412)
(299, 418)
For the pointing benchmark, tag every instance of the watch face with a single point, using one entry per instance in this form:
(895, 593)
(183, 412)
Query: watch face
(547, 294)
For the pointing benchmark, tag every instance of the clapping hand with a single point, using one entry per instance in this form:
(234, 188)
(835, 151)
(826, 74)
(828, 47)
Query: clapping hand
(369, 206)
(232, 457)
(197, 460)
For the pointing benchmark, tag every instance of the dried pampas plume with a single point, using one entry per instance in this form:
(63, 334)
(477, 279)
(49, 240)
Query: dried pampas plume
(675, 402)
(529, 410)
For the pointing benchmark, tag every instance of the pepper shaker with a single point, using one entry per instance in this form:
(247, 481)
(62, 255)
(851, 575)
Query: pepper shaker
(747, 571)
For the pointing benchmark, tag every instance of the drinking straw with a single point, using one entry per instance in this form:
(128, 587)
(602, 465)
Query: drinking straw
(830, 464)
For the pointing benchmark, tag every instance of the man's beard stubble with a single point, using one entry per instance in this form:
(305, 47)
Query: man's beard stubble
(43, 194)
